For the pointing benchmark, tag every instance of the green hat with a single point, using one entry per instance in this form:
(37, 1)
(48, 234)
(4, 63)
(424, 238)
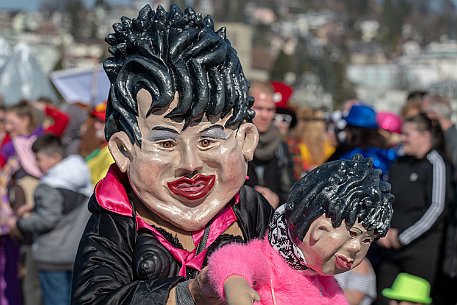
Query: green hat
(407, 287)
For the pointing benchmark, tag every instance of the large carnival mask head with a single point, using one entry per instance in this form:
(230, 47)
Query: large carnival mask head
(178, 115)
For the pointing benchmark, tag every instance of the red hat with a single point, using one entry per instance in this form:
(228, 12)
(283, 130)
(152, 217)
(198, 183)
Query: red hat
(282, 93)
(99, 112)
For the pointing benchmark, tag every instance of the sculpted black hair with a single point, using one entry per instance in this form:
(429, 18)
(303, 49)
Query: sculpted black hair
(349, 190)
(164, 52)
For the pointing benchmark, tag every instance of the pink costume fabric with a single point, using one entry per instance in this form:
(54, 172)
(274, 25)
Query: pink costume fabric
(270, 275)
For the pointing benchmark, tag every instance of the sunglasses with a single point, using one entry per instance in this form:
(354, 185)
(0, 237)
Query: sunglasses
(283, 118)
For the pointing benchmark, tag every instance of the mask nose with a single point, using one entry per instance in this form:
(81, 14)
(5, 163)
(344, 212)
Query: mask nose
(190, 163)
(355, 245)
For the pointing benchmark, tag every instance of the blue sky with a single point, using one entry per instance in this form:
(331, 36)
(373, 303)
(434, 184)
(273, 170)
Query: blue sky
(35, 4)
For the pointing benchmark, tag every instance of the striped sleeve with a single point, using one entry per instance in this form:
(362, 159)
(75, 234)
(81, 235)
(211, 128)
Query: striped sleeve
(437, 205)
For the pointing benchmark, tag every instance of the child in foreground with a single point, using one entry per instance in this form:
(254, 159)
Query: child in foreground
(331, 217)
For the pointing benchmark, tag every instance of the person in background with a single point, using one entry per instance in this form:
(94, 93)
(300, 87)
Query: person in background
(312, 146)
(22, 121)
(285, 118)
(94, 147)
(444, 291)
(359, 284)
(408, 289)
(335, 132)
(271, 171)
(10, 286)
(389, 127)
(421, 184)
(2, 122)
(22, 125)
(439, 108)
(71, 139)
(21, 188)
(363, 137)
(286, 121)
(412, 105)
(60, 198)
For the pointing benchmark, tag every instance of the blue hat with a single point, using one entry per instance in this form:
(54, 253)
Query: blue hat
(362, 116)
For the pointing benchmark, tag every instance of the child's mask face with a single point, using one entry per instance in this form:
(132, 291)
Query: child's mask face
(330, 250)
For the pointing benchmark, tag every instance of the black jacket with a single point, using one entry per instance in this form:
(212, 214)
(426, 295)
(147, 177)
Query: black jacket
(116, 265)
(423, 192)
(278, 173)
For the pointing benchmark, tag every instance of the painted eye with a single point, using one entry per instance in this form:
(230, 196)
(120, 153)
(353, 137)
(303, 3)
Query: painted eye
(368, 240)
(167, 144)
(353, 234)
(206, 142)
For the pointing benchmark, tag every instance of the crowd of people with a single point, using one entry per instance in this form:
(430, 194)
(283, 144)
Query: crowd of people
(52, 158)
(416, 152)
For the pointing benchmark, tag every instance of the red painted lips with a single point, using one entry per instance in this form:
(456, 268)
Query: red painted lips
(192, 188)
(342, 262)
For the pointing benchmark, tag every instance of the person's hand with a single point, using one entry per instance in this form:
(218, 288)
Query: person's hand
(384, 242)
(24, 210)
(269, 195)
(38, 105)
(238, 292)
(392, 234)
(390, 240)
(10, 222)
(202, 291)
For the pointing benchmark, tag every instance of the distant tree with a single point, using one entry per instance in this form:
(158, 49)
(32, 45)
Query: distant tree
(102, 3)
(334, 79)
(357, 7)
(182, 4)
(282, 65)
(392, 19)
(52, 5)
(329, 64)
(76, 11)
(449, 20)
(229, 10)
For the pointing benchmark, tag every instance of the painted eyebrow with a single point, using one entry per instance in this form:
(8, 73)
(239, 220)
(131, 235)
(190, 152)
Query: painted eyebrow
(161, 133)
(216, 131)
(357, 229)
(366, 234)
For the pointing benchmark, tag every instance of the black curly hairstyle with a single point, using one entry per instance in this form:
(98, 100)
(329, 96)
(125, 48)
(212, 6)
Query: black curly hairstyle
(349, 190)
(167, 52)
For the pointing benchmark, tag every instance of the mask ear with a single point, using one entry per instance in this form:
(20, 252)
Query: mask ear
(121, 149)
(247, 137)
(320, 227)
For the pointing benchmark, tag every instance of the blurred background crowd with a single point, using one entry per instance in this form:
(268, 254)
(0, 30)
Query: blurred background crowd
(330, 79)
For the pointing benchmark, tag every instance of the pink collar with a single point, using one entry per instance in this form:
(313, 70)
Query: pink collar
(111, 195)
